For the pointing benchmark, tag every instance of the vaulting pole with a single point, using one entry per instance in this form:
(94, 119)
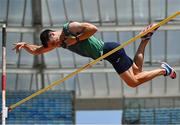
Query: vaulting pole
(4, 108)
(94, 61)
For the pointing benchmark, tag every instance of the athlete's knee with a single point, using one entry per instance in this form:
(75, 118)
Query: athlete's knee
(133, 83)
(139, 56)
(130, 78)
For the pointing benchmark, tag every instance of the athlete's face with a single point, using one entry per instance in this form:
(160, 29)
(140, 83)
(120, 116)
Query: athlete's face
(53, 38)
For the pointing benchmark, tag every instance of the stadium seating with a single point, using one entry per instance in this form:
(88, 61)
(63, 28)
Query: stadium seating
(52, 107)
(153, 116)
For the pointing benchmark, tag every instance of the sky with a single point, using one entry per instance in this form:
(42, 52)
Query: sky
(99, 117)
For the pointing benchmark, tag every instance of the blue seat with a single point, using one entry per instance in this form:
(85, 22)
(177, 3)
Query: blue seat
(52, 107)
(146, 116)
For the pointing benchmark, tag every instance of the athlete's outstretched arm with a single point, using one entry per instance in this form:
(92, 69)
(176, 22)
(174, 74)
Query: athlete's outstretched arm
(32, 49)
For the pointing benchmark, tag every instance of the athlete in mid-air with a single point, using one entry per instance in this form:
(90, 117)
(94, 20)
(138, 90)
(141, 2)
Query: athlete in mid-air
(78, 37)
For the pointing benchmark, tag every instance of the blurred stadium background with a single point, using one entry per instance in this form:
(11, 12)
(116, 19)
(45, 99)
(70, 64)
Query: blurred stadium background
(98, 88)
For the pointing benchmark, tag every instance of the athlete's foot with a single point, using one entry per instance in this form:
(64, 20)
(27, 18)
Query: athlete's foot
(147, 37)
(169, 70)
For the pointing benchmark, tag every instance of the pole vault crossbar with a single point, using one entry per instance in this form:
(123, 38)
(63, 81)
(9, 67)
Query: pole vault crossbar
(11, 107)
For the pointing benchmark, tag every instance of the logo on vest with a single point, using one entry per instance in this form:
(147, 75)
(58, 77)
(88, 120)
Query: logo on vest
(117, 61)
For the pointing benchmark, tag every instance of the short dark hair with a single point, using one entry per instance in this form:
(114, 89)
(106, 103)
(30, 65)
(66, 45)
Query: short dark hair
(44, 36)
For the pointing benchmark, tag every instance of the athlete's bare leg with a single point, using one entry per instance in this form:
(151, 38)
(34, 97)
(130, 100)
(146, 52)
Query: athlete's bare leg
(134, 80)
(135, 76)
(139, 57)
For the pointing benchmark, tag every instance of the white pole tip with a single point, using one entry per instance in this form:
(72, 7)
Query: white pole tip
(4, 25)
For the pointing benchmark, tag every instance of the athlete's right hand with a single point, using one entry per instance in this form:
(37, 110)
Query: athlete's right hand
(18, 46)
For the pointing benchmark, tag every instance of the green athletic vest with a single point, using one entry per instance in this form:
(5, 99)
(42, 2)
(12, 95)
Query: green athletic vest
(91, 47)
